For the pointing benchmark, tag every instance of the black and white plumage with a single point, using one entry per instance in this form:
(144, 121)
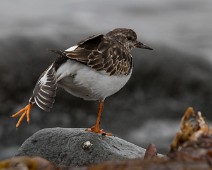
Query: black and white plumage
(45, 89)
(94, 69)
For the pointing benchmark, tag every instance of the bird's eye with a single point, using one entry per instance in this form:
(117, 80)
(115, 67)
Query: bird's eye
(129, 38)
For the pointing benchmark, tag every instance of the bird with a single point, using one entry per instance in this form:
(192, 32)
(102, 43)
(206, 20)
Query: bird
(93, 69)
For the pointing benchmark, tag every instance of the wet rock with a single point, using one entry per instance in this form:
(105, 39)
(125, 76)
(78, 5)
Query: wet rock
(76, 147)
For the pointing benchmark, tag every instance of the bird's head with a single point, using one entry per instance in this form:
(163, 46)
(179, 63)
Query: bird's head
(127, 37)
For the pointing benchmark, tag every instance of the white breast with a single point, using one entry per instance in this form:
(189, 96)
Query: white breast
(87, 83)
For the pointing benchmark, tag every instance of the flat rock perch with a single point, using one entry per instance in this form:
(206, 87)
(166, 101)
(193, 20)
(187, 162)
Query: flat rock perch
(76, 147)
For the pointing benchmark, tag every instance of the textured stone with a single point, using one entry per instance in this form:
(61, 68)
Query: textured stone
(76, 147)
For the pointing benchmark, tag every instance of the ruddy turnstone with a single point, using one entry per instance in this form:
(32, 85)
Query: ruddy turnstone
(94, 69)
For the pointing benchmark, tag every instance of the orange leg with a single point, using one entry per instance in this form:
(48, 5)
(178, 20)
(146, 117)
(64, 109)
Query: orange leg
(25, 112)
(96, 127)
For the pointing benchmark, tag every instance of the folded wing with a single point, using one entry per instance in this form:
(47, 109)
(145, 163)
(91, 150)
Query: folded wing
(100, 54)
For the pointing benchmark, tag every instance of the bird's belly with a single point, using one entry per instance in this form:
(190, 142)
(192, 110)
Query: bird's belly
(89, 84)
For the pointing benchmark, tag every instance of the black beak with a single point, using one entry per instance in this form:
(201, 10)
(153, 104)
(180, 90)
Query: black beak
(141, 45)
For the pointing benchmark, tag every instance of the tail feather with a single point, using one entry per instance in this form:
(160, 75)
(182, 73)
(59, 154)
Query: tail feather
(45, 89)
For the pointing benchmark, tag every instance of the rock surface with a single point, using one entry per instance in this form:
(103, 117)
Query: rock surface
(76, 147)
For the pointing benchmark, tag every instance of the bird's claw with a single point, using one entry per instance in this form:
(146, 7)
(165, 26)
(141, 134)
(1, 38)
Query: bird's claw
(98, 131)
(25, 112)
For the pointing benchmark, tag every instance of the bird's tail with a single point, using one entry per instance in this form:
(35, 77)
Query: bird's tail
(45, 89)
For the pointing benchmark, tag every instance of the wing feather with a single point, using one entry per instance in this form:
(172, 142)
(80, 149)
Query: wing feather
(102, 54)
(45, 89)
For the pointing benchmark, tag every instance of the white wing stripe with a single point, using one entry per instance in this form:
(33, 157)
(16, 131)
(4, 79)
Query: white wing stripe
(72, 48)
(44, 91)
(38, 103)
(40, 95)
(40, 100)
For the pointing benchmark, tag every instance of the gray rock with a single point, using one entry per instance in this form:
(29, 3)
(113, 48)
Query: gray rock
(76, 147)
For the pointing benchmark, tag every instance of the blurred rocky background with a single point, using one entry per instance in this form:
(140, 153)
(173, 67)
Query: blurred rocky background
(176, 75)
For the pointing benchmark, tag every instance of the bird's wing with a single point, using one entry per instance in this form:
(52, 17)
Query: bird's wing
(45, 89)
(100, 53)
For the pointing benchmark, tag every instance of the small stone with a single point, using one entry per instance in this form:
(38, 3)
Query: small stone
(87, 145)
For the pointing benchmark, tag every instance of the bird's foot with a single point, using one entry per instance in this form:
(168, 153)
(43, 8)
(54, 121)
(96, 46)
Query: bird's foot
(25, 112)
(95, 129)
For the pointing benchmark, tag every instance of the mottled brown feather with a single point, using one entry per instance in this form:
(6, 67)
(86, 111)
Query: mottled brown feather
(103, 54)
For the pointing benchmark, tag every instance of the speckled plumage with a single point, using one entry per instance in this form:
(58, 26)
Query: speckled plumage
(94, 69)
